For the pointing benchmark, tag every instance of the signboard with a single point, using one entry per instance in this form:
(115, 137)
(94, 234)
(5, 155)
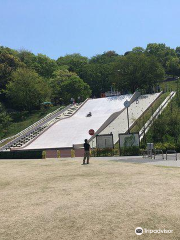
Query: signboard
(127, 104)
(91, 132)
(104, 141)
(129, 140)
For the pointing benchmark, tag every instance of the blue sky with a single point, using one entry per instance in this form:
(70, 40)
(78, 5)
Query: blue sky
(89, 27)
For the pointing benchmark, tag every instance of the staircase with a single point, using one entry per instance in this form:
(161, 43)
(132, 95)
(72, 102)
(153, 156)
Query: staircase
(33, 131)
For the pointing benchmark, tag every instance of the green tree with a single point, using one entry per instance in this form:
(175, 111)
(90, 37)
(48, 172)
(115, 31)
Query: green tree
(8, 64)
(5, 120)
(75, 62)
(173, 66)
(161, 52)
(178, 51)
(45, 66)
(42, 64)
(137, 71)
(28, 58)
(58, 77)
(98, 77)
(27, 90)
(105, 58)
(74, 87)
(138, 50)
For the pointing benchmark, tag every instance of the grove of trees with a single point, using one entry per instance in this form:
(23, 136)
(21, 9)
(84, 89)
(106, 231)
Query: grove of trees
(27, 80)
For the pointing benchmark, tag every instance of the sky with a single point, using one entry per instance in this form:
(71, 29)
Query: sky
(89, 27)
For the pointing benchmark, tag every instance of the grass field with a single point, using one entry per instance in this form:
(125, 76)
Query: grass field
(105, 200)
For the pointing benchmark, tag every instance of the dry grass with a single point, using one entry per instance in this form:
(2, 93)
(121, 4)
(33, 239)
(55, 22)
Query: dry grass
(106, 200)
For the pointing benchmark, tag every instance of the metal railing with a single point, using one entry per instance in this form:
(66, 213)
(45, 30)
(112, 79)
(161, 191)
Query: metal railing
(171, 152)
(148, 124)
(36, 128)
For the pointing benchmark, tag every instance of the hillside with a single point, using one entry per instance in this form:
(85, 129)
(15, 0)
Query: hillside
(22, 120)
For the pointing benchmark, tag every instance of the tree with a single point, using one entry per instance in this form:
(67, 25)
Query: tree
(138, 50)
(45, 66)
(8, 64)
(28, 58)
(42, 64)
(161, 52)
(178, 51)
(173, 66)
(66, 85)
(106, 57)
(97, 76)
(58, 77)
(5, 120)
(75, 62)
(8, 51)
(27, 90)
(137, 71)
(74, 87)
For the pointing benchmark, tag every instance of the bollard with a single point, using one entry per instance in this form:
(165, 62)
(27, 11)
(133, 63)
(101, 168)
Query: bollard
(44, 155)
(72, 153)
(58, 154)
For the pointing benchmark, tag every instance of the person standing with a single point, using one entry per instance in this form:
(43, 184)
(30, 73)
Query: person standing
(86, 151)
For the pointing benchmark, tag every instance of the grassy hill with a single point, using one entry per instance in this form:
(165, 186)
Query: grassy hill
(142, 120)
(22, 120)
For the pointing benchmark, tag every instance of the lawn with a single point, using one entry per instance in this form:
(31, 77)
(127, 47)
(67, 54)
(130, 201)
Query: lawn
(105, 200)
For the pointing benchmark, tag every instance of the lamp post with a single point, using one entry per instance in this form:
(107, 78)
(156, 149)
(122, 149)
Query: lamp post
(127, 105)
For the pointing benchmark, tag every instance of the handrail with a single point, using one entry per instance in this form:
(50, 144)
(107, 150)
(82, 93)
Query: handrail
(55, 121)
(156, 151)
(34, 124)
(49, 117)
(52, 121)
(171, 151)
(156, 114)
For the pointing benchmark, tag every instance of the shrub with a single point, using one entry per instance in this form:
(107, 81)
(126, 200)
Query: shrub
(102, 152)
(21, 155)
(165, 146)
(129, 151)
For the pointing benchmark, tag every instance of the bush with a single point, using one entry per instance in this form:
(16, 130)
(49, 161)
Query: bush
(21, 155)
(102, 152)
(130, 151)
(165, 146)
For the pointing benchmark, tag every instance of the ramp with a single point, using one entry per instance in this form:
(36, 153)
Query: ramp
(75, 129)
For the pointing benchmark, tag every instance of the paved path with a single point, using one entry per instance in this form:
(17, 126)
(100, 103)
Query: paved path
(171, 162)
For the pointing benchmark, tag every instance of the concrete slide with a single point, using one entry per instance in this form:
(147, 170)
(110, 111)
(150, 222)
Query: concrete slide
(75, 129)
(136, 109)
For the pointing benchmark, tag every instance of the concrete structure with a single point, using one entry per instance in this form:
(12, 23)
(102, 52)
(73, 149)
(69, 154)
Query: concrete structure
(33, 131)
(70, 127)
(74, 130)
(136, 109)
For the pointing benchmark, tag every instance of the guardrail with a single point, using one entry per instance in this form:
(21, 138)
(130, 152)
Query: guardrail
(171, 151)
(150, 152)
(35, 124)
(38, 128)
(53, 121)
(148, 124)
